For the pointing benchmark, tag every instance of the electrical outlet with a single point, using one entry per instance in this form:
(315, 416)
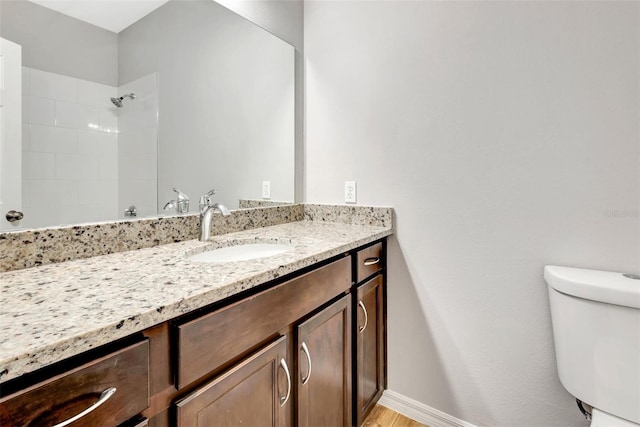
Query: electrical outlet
(350, 192)
(266, 189)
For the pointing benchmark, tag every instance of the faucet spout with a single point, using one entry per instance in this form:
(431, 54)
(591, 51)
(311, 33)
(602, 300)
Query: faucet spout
(207, 215)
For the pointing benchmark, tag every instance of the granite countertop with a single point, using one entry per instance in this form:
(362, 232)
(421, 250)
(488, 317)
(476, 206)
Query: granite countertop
(52, 312)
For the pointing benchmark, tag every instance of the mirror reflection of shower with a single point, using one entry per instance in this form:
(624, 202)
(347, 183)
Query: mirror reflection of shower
(118, 101)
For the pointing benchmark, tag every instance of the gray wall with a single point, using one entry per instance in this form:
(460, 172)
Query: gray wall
(222, 124)
(60, 44)
(506, 136)
(285, 19)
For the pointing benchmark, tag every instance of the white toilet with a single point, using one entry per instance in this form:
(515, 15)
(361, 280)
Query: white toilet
(596, 330)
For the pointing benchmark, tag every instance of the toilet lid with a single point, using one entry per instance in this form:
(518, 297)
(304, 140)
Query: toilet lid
(595, 285)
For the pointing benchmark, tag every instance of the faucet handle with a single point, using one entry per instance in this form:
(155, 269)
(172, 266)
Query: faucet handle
(206, 199)
(181, 195)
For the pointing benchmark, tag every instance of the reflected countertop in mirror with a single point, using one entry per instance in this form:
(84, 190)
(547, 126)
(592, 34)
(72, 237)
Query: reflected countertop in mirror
(191, 96)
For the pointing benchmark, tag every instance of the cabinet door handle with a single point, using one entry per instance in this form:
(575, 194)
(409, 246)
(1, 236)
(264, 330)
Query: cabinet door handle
(306, 352)
(103, 398)
(284, 399)
(371, 261)
(366, 317)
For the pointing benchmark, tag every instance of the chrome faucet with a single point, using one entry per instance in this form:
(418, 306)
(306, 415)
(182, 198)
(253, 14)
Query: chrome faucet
(181, 204)
(207, 208)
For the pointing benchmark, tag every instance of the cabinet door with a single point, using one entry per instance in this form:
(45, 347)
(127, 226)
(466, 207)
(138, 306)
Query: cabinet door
(369, 331)
(324, 367)
(256, 392)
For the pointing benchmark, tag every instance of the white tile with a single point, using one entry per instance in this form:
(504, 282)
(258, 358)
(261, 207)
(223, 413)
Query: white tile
(26, 137)
(50, 139)
(109, 120)
(54, 86)
(89, 142)
(102, 192)
(139, 141)
(79, 214)
(77, 166)
(26, 80)
(77, 116)
(138, 193)
(40, 217)
(38, 166)
(144, 87)
(91, 192)
(128, 143)
(26, 193)
(137, 167)
(38, 110)
(99, 143)
(111, 193)
(109, 167)
(110, 212)
(69, 115)
(149, 140)
(53, 193)
(96, 94)
(129, 119)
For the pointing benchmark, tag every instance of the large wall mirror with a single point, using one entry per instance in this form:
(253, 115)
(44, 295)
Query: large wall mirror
(98, 118)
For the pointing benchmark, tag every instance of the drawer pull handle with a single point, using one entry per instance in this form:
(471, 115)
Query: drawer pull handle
(306, 352)
(366, 317)
(371, 261)
(103, 398)
(284, 399)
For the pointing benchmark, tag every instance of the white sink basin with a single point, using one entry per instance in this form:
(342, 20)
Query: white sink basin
(242, 252)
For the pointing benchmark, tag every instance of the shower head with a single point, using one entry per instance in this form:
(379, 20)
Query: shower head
(118, 101)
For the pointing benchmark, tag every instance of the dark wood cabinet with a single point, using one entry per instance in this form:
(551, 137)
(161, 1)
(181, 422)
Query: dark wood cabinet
(307, 350)
(370, 346)
(255, 392)
(324, 367)
(245, 324)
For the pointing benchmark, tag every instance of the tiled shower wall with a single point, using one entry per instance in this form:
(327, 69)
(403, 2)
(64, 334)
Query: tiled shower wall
(137, 146)
(70, 150)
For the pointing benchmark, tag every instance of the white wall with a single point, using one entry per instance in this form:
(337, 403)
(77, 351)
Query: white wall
(70, 150)
(506, 136)
(59, 43)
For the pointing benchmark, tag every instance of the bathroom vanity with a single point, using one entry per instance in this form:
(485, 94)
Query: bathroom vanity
(296, 339)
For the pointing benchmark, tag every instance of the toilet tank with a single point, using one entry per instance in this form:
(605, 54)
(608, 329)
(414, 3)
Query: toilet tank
(596, 331)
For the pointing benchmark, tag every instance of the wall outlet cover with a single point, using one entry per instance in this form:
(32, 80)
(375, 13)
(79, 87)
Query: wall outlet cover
(266, 189)
(350, 192)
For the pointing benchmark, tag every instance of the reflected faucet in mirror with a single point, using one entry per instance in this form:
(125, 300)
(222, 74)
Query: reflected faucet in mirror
(181, 203)
(207, 208)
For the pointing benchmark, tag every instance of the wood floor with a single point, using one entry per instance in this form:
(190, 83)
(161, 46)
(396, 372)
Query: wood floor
(385, 417)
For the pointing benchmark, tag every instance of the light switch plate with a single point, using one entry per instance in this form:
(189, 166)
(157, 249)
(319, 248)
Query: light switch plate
(266, 189)
(350, 192)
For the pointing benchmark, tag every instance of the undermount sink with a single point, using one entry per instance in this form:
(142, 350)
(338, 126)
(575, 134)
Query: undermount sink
(241, 252)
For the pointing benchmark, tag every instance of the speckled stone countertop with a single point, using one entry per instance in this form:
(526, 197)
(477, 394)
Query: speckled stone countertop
(52, 312)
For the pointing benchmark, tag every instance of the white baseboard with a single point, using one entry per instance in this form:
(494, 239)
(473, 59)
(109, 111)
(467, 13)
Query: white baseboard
(419, 411)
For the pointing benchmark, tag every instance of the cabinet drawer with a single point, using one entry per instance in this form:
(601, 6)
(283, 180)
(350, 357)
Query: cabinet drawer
(209, 342)
(369, 261)
(62, 397)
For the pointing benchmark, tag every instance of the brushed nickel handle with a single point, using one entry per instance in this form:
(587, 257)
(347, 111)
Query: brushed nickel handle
(13, 216)
(306, 352)
(366, 316)
(284, 399)
(103, 398)
(371, 261)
